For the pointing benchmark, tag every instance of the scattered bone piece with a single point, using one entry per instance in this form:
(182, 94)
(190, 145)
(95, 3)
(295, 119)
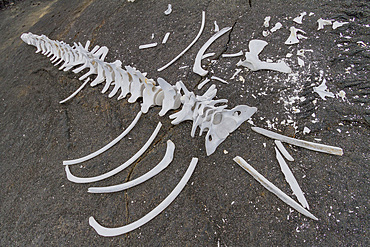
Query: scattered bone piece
(289, 55)
(203, 83)
(219, 79)
(341, 94)
(300, 62)
(207, 55)
(301, 52)
(165, 38)
(235, 74)
(272, 188)
(277, 26)
(283, 150)
(299, 18)
(106, 147)
(148, 45)
(306, 130)
(197, 67)
(216, 27)
(110, 232)
(240, 53)
(321, 90)
(168, 10)
(311, 14)
(300, 143)
(75, 92)
(190, 45)
(293, 37)
(289, 177)
(167, 159)
(265, 33)
(337, 24)
(75, 179)
(253, 63)
(266, 22)
(321, 23)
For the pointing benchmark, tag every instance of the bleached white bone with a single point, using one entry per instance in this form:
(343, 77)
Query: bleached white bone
(294, 37)
(197, 67)
(165, 38)
(76, 179)
(168, 10)
(146, 46)
(224, 123)
(272, 188)
(190, 45)
(300, 143)
(284, 152)
(253, 63)
(289, 177)
(75, 92)
(167, 159)
(299, 18)
(219, 79)
(337, 24)
(150, 93)
(266, 22)
(216, 26)
(110, 232)
(170, 98)
(321, 23)
(207, 55)
(240, 53)
(204, 82)
(322, 90)
(106, 147)
(277, 26)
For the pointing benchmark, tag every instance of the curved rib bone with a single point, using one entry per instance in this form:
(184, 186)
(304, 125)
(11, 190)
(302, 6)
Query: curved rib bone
(75, 92)
(197, 67)
(167, 159)
(106, 147)
(110, 232)
(75, 179)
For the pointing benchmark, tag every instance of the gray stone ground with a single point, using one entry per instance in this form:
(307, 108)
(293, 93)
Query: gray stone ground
(222, 205)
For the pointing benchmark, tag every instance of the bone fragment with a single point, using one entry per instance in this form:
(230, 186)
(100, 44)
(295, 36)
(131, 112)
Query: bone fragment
(289, 177)
(253, 63)
(337, 24)
(282, 149)
(299, 18)
(321, 23)
(168, 10)
(165, 38)
(322, 90)
(148, 46)
(300, 143)
(240, 53)
(272, 188)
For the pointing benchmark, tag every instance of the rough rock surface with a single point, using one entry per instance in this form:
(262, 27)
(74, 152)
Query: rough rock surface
(222, 205)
